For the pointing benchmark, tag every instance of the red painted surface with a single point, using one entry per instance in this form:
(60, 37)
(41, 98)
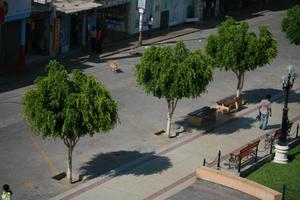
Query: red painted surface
(22, 55)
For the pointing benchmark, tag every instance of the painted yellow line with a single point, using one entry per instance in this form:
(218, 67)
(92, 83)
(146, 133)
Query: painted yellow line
(50, 163)
(45, 156)
(28, 184)
(137, 123)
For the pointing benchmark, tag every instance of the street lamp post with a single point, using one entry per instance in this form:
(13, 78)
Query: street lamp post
(141, 11)
(281, 148)
(141, 6)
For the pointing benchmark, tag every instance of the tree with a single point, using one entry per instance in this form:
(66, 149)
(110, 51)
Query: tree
(234, 48)
(173, 73)
(69, 107)
(291, 24)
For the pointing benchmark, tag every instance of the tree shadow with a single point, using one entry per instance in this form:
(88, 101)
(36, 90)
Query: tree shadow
(235, 124)
(224, 124)
(125, 163)
(256, 95)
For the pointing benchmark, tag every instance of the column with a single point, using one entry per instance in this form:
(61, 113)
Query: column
(22, 41)
(52, 29)
(84, 29)
(217, 8)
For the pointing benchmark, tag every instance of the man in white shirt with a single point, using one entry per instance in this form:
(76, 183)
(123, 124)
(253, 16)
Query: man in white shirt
(265, 111)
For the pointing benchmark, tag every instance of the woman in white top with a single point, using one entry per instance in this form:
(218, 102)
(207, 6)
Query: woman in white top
(7, 193)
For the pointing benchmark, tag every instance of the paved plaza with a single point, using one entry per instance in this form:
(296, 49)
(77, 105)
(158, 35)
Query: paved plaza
(131, 162)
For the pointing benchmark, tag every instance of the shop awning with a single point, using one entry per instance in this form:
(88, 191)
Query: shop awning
(110, 3)
(73, 6)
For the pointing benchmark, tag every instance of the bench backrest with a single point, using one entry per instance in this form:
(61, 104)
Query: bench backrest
(228, 100)
(248, 149)
(202, 111)
(277, 133)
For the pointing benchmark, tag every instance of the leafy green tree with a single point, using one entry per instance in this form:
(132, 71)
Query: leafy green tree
(69, 107)
(291, 24)
(173, 73)
(234, 48)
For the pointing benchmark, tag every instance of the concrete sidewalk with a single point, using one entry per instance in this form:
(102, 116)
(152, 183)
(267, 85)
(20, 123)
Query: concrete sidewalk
(172, 168)
(33, 69)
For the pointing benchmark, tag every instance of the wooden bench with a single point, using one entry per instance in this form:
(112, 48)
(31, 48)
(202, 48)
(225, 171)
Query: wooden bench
(229, 103)
(271, 138)
(237, 159)
(197, 117)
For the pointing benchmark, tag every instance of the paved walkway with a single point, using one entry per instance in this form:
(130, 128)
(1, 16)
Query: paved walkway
(172, 168)
(204, 190)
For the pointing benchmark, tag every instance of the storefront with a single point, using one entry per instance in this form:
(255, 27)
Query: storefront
(113, 19)
(72, 24)
(13, 33)
(38, 30)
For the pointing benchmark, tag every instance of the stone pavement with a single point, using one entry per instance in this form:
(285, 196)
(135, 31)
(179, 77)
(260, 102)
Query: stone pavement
(207, 190)
(133, 138)
(172, 168)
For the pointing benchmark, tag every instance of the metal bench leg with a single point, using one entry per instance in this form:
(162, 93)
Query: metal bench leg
(239, 166)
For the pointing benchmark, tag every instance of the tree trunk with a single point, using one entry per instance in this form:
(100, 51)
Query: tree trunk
(240, 83)
(171, 107)
(169, 123)
(69, 170)
(70, 142)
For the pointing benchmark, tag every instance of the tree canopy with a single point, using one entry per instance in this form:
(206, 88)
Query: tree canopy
(173, 73)
(234, 48)
(291, 24)
(68, 107)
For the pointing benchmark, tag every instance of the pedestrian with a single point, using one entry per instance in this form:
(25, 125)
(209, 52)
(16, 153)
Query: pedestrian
(208, 8)
(212, 7)
(204, 9)
(265, 111)
(93, 39)
(99, 41)
(150, 23)
(7, 193)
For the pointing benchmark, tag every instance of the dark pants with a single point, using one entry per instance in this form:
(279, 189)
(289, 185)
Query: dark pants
(99, 47)
(149, 30)
(93, 44)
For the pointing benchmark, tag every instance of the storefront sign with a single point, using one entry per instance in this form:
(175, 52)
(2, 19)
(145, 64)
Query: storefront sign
(142, 4)
(16, 9)
(42, 1)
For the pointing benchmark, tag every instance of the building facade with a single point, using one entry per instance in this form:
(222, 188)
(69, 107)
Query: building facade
(13, 32)
(166, 13)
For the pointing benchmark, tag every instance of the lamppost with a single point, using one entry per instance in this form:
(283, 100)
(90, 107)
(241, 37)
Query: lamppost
(141, 7)
(281, 148)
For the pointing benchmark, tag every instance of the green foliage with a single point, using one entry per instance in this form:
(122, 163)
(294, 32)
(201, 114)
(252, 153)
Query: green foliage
(64, 106)
(291, 24)
(235, 48)
(173, 72)
(275, 175)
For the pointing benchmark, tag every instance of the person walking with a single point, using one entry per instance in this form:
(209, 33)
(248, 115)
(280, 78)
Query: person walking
(93, 39)
(99, 41)
(204, 9)
(150, 23)
(7, 193)
(265, 111)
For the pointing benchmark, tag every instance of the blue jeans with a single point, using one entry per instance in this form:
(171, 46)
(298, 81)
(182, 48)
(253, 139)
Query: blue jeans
(264, 121)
